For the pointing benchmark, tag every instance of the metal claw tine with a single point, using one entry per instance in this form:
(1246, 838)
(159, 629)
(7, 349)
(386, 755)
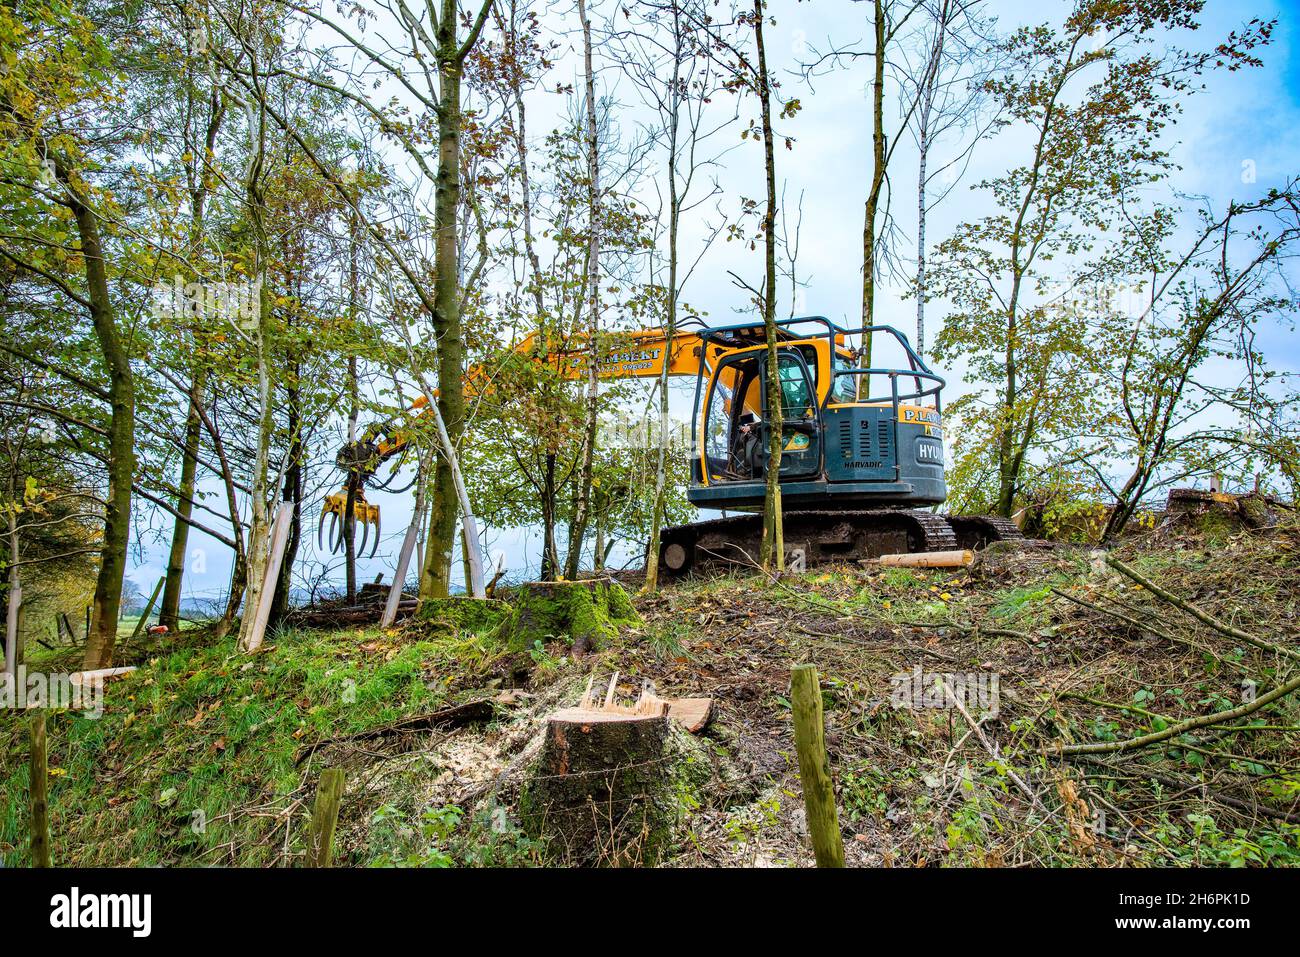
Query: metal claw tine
(336, 532)
(375, 546)
(320, 530)
(365, 532)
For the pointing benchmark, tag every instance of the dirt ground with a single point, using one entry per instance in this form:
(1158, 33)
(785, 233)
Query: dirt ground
(1052, 647)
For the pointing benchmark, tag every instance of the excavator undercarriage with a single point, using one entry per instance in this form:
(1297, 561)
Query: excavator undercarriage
(816, 537)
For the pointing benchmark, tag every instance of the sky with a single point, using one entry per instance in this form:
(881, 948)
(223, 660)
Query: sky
(1233, 141)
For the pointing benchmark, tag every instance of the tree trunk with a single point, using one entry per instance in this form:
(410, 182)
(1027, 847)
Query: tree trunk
(354, 412)
(121, 434)
(600, 793)
(436, 580)
(550, 548)
(772, 552)
(582, 510)
(169, 612)
(670, 326)
(292, 492)
(13, 605)
(923, 146)
(877, 176)
(259, 535)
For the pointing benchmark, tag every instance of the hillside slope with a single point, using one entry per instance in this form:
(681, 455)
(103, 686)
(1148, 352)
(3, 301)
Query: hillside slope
(205, 756)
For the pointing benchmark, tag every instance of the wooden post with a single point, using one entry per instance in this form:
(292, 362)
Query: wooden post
(279, 539)
(404, 556)
(814, 772)
(399, 574)
(39, 788)
(324, 817)
(148, 609)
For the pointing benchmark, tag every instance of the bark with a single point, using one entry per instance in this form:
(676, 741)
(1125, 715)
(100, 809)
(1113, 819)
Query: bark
(121, 432)
(582, 511)
(772, 552)
(600, 792)
(169, 612)
(436, 580)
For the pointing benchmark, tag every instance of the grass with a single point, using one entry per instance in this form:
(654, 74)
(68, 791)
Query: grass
(193, 760)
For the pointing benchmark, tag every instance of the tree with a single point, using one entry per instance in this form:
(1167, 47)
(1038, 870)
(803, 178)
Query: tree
(48, 103)
(1203, 305)
(1093, 99)
(582, 501)
(889, 19)
(943, 80)
(750, 74)
(665, 58)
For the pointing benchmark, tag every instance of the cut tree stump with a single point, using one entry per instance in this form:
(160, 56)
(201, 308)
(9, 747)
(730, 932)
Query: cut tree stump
(601, 793)
(1204, 509)
(588, 611)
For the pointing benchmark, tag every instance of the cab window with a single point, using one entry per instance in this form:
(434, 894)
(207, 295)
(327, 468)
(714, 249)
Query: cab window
(844, 388)
(797, 400)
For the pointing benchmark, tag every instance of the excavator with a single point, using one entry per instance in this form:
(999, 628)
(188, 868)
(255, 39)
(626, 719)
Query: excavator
(862, 460)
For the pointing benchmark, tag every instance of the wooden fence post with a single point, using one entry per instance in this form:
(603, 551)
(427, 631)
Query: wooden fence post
(262, 613)
(814, 772)
(39, 791)
(324, 817)
(148, 609)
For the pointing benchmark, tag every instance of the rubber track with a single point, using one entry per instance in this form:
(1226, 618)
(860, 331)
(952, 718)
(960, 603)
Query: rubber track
(932, 532)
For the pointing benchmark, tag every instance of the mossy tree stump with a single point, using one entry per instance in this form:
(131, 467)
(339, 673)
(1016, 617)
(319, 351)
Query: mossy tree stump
(601, 791)
(588, 611)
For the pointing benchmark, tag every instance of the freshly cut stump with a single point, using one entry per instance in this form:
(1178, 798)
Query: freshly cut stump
(599, 795)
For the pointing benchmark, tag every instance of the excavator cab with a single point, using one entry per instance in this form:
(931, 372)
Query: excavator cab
(841, 446)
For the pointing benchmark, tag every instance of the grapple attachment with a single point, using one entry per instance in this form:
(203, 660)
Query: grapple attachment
(363, 514)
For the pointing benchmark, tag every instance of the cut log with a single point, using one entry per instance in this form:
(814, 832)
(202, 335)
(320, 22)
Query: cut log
(99, 676)
(692, 713)
(951, 559)
(600, 793)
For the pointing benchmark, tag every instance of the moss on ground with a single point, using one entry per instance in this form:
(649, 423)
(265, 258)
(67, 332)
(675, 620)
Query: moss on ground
(463, 613)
